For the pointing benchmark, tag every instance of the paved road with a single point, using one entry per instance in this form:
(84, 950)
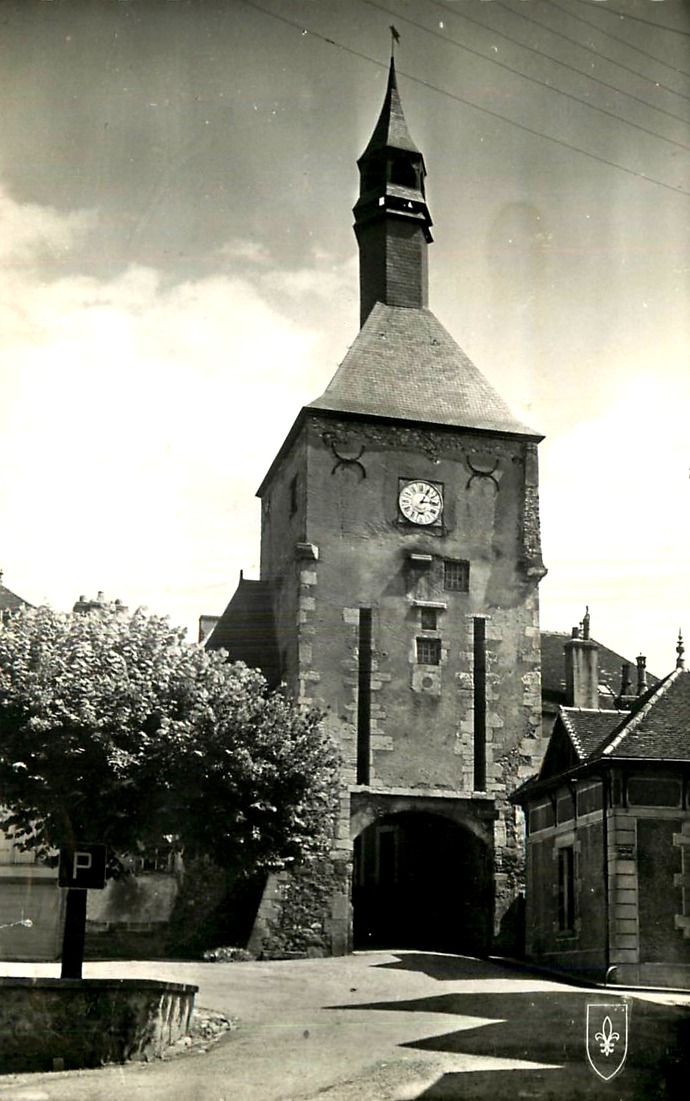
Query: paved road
(382, 1027)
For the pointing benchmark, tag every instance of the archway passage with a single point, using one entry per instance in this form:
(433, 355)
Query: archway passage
(422, 881)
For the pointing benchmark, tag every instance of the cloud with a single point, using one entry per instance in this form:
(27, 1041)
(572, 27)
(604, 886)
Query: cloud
(324, 277)
(238, 249)
(327, 280)
(30, 231)
(138, 419)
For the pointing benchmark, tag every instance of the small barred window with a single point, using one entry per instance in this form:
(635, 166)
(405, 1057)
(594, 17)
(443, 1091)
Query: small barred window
(456, 575)
(428, 651)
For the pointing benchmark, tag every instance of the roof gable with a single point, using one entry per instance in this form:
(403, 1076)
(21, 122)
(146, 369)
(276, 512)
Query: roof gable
(562, 753)
(588, 728)
(403, 364)
(577, 732)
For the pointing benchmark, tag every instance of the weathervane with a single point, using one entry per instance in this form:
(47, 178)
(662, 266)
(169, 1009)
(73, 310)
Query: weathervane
(395, 37)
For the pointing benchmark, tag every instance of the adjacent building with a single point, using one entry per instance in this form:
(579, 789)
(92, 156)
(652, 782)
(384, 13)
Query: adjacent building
(9, 601)
(608, 827)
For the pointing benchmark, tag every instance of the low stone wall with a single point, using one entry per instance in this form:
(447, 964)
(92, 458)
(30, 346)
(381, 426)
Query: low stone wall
(63, 1024)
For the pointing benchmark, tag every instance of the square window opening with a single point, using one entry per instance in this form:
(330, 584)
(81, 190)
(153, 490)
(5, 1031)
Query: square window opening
(456, 575)
(428, 651)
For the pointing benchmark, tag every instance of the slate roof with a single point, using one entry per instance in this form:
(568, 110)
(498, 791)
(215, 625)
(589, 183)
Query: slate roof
(391, 130)
(9, 601)
(246, 630)
(609, 664)
(403, 364)
(659, 728)
(587, 728)
(656, 729)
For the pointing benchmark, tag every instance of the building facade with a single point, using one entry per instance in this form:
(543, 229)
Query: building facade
(400, 564)
(608, 827)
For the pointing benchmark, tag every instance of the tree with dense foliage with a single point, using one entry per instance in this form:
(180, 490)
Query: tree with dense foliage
(115, 729)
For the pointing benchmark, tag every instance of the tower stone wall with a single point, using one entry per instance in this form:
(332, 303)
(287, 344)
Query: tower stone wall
(334, 543)
(401, 549)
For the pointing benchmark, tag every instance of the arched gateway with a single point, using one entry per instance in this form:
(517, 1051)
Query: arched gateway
(422, 880)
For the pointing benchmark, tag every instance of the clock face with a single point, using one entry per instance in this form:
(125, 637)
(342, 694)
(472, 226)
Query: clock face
(420, 502)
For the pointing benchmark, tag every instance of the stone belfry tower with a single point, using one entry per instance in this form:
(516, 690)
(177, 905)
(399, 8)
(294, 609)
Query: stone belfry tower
(400, 563)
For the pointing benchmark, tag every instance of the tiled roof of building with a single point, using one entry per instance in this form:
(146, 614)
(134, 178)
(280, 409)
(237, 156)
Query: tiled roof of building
(246, 630)
(659, 728)
(9, 601)
(391, 130)
(587, 728)
(404, 364)
(610, 665)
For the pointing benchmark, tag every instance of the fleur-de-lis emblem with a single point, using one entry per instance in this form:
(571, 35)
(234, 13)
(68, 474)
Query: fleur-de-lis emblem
(607, 1037)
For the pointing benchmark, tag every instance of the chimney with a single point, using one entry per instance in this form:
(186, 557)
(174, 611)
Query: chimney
(626, 680)
(641, 675)
(582, 668)
(626, 697)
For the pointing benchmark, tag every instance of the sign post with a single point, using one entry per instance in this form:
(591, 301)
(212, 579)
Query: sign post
(82, 868)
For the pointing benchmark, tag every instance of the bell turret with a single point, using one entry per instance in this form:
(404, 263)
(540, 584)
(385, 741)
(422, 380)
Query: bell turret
(392, 220)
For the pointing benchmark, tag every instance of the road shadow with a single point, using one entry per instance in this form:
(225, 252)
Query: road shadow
(447, 968)
(549, 1027)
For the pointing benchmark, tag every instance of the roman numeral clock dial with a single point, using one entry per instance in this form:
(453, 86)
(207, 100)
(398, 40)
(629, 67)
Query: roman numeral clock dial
(420, 503)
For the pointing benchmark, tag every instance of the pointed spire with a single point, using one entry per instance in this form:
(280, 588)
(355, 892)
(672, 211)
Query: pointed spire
(680, 650)
(391, 130)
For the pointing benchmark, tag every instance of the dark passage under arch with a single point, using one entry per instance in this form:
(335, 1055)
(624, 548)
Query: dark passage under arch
(421, 881)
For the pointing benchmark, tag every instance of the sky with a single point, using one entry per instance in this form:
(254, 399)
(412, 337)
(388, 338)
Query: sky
(178, 276)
